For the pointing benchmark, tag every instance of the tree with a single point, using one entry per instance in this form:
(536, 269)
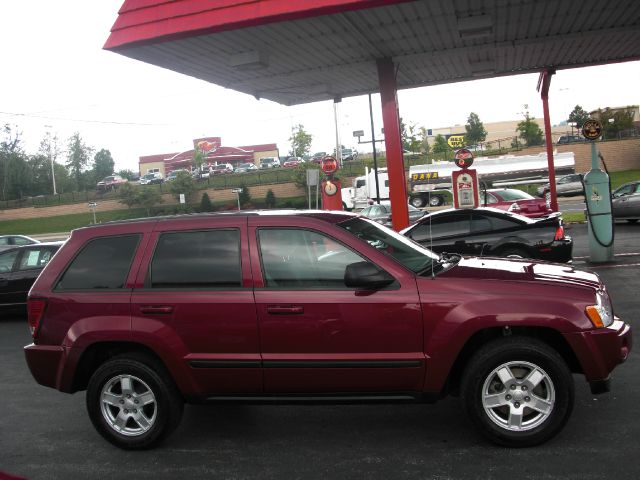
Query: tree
(300, 142)
(409, 135)
(11, 160)
(205, 203)
(128, 195)
(529, 131)
(103, 164)
(183, 183)
(244, 196)
(614, 122)
(78, 154)
(476, 132)
(424, 146)
(198, 160)
(270, 199)
(578, 116)
(148, 197)
(440, 144)
(127, 173)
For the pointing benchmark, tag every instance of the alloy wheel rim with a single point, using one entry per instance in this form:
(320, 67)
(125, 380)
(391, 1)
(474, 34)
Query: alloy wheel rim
(128, 405)
(518, 396)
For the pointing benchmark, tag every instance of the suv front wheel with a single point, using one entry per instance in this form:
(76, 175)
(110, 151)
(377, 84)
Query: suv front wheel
(131, 405)
(518, 391)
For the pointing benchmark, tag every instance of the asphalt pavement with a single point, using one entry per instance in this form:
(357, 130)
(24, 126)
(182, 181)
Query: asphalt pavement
(45, 434)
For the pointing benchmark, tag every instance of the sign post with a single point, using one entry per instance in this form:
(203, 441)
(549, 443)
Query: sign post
(237, 191)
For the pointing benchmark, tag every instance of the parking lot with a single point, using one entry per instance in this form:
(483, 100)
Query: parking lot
(45, 434)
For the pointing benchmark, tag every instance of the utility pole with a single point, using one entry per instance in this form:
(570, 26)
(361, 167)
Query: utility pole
(53, 173)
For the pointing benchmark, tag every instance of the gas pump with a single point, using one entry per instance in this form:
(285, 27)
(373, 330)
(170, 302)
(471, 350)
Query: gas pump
(597, 193)
(331, 186)
(465, 181)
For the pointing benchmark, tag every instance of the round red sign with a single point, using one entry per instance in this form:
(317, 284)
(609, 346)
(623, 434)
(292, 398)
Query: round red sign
(329, 165)
(464, 158)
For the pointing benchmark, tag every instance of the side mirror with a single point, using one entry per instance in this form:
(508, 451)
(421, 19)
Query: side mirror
(367, 276)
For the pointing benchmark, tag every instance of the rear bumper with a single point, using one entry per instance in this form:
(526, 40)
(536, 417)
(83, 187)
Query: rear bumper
(46, 364)
(557, 251)
(599, 351)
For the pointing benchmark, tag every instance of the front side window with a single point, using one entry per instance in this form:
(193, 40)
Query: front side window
(21, 241)
(294, 258)
(411, 255)
(103, 263)
(199, 259)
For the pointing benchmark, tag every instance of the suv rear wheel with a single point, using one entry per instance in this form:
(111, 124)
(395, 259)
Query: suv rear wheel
(518, 391)
(130, 404)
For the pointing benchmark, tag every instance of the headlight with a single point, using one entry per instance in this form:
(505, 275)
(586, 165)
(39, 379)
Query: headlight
(601, 314)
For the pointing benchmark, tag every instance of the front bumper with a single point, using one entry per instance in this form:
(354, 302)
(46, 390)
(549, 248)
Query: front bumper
(600, 350)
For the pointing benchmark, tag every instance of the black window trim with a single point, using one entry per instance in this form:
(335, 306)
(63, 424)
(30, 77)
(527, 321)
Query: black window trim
(147, 278)
(56, 283)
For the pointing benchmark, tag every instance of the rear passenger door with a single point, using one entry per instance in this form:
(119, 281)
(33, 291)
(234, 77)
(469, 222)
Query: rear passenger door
(194, 300)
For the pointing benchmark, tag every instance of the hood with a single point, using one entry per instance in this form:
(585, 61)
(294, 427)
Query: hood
(488, 268)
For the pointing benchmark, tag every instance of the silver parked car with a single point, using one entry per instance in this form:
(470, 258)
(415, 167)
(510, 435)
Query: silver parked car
(10, 241)
(565, 185)
(381, 213)
(625, 202)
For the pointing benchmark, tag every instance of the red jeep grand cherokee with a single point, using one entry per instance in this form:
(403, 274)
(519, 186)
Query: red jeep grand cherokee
(280, 306)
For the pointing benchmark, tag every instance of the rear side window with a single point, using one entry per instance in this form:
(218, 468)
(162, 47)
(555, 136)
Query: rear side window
(103, 263)
(202, 259)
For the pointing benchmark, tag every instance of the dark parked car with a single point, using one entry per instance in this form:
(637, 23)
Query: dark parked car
(381, 213)
(566, 185)
(309, 306)
(19, 268)
(564, 139)
(515, 201)
(10, 241)
(625, 202)
(491, 232)
(245, 167)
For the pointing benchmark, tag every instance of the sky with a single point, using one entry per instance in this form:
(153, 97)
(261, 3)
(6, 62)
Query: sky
(56, 78)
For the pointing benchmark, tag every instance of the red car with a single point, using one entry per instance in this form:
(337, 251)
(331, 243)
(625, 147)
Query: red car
(309, 306)
(292, 162)
(515, 201)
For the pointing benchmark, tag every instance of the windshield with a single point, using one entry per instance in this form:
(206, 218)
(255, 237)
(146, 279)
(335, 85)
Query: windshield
(410, 254)
(509, 195)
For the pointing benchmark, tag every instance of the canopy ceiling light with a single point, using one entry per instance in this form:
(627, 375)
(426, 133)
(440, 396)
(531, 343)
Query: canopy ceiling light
(475, 27)
(251, 60)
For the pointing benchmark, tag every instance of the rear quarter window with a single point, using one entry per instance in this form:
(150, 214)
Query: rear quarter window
(196, 259)
(103, 263)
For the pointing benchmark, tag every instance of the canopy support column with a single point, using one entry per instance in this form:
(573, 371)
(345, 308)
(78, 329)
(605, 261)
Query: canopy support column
(393, 144)
(544, 81)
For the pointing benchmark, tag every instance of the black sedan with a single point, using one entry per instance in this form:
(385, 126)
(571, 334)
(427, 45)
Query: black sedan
(493, 232)
(19, 268)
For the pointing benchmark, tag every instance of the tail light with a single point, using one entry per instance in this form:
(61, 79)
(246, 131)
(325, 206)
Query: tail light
(514, 207)
(559, 233)
(35, 312)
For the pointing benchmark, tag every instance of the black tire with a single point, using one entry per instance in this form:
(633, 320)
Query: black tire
(147, 379)
(417, 202)
(518, 357)
(514, 252)
(435, 200)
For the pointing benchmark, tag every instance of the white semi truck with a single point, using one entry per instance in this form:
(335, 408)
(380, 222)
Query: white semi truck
(363, 190)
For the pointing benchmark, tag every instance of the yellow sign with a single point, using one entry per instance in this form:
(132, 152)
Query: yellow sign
(415, 177)
(456, 141)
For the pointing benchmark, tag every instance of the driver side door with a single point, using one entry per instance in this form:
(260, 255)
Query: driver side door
(319, 336)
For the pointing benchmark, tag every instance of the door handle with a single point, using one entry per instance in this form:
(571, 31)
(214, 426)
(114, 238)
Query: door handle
(289, 310)
(163, 309)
